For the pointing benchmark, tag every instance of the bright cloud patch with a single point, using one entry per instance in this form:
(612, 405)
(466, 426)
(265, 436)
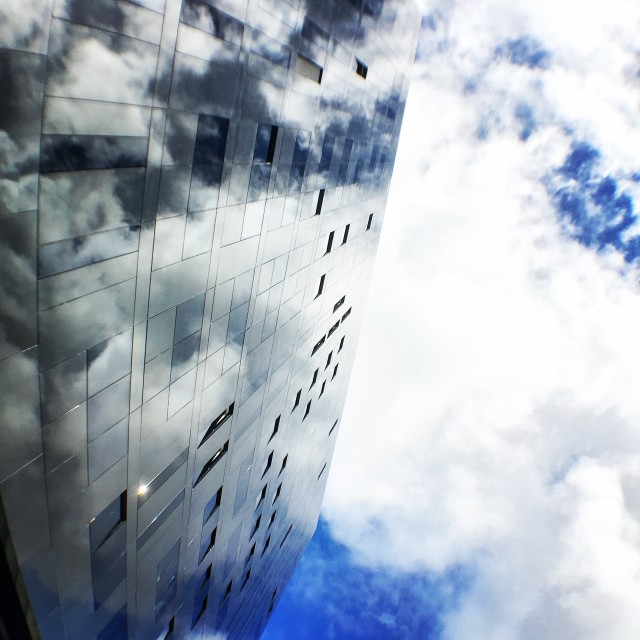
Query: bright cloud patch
(494, 409)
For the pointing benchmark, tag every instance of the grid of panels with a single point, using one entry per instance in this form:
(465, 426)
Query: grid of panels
(188, 223)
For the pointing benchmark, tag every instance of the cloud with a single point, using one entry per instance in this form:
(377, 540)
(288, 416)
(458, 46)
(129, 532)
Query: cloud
(492, 418)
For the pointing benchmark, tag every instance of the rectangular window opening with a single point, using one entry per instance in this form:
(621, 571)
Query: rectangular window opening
(361, 68)
(306, 411)
(278, 491)
(266, 546)
(333, 329)
(321, 285)
(217, 456)
(309, 69)
(329, 359)
(217, 423)
(267, 467)
(335, 372)
(338, 304)
(369, 221)
(276, 427)
(318, 344)
(341, 343)
(320, 201)
(329, 242)
(346, 234)
(324, 384)
(315, 377)
(297, 401)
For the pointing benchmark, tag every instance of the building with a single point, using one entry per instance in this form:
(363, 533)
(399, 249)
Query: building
(190, 204)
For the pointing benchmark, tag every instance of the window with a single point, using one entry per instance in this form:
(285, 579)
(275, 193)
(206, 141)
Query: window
(200, 606)
(217, 456)
(361, 68)
(167, 632)
(369, 221)
(286, 535)
(318, 344)
(207, 545)
(335, 424)
(341, 343)
(205, 578)
(346, 234)
(262, 495)
(338, 304)
(276, 426)
(306, 411)
(227, 591)
(324, 384)
(212, 506)
(297, 401)
(267, 467)
(256, 526)
(272, 519)
(278, 491)
(346, 314)
(327, 153)
(333, 329)
(265, 147)
(329, 359)
(266, 546)
(321, 285)
(217, 423)
(322, 470)
(108, 521)
(335, 371)
(246, 579)
(251, 553)
(330, 242)
(315, 377)
(309, 69)
(284, 464)
(320, 201)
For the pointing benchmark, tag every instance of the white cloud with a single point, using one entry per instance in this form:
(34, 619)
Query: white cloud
(493, 415)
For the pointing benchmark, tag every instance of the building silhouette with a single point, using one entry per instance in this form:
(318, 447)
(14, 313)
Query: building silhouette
(190, 204)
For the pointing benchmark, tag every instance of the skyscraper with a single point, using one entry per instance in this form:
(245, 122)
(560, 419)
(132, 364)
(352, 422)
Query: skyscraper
(190, 204)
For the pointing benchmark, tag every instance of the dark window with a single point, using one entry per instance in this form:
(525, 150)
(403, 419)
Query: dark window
(168, 630)
(330, 242)
(217, 456)
(361, 68)
(251, 553)
(276, 426)
(341, 343)
(205, 578)
(297, 401)
(108, 521)
(309, 69)
(329, 359)
(207, 545)
(268, 466)
(338, 304)
(286, 535)
(324, 384)
(335, 424)
(322, 470)
(315, 377)
(346, 314)
(228, 589)
(333, 329)
(266, 545)
(199, 607)
(256, 526)
(335, 371)
(318, 344)
(320, 201)
(246, 579)
(301, 148)
(346, 233)
(278, 491)
(306, 411)
(212, 505)
(265, 146)
(321, 286)
(262, 496)
(284, 463)
(369, 221)
(272, 519)
(217, 423)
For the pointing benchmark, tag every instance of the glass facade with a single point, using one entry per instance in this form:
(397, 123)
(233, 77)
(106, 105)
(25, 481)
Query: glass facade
(191, 196)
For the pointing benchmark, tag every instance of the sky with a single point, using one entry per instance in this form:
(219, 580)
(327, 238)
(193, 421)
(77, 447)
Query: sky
(485, 480)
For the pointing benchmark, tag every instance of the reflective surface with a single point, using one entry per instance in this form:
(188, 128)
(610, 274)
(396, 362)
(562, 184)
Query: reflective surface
(191, 196)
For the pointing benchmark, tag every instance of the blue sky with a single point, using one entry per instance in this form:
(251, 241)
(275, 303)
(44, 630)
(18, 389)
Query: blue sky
(489, 456)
